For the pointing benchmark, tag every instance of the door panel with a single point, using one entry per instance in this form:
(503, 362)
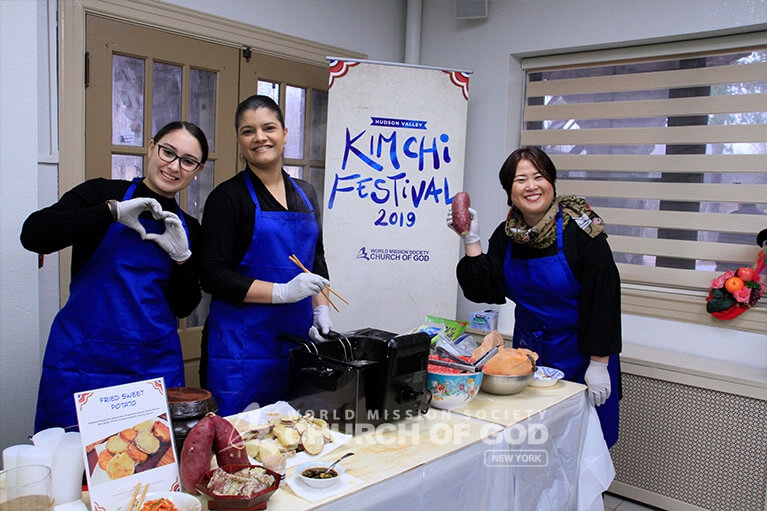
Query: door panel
(138, 80)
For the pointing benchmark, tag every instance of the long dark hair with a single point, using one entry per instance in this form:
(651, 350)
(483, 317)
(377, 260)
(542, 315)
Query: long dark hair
(254, 103)
(191, 128)
(534, 155)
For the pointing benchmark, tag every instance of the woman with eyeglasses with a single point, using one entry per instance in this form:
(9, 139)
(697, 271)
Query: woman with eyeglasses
(134, 272)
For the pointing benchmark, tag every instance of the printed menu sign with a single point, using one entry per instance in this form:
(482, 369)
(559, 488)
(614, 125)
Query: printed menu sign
(127, 441)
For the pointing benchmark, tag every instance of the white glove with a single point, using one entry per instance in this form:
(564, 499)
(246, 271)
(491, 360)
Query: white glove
(473, 235)
(321, 319)
(173, 240)
(598, 380)
(315, 335)
(302, 286)
(322, 324)
(128, 212)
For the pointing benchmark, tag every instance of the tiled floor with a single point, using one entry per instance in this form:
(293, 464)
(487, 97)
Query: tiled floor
(616, 503)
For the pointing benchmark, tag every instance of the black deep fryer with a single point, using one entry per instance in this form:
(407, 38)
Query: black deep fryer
(364, 377)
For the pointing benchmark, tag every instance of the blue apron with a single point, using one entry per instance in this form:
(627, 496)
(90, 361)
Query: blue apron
(116, 327)
(546, 317)
(247, 362)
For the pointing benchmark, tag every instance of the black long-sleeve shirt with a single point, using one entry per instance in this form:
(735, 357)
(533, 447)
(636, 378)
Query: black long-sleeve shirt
(227, 230)
(591, 261)
(80, 219)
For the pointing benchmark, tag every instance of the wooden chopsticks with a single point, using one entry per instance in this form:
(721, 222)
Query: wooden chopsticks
(294, 259)
(135, 504)
(298, 263)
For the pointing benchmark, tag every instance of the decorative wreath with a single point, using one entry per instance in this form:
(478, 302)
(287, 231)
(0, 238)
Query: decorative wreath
(734, 292)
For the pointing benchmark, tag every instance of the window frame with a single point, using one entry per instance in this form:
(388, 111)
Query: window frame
(682, 303)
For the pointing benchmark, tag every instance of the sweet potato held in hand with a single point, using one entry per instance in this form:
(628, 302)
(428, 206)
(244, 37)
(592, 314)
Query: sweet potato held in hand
(461, 215)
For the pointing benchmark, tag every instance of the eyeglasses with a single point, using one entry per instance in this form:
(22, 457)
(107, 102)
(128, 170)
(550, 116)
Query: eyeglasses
(168, 155)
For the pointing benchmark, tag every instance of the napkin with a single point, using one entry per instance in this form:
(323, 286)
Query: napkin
(316, 494)
(76, 505)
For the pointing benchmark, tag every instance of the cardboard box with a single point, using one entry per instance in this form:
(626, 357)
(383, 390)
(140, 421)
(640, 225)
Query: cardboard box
(486, 320)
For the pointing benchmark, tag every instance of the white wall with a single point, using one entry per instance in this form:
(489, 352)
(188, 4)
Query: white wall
(374, 27)
(20, 351)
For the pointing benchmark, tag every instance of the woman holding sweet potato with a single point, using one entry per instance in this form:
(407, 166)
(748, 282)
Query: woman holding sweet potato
(551, 257)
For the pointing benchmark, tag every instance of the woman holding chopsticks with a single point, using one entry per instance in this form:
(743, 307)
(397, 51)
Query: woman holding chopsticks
(263, 262)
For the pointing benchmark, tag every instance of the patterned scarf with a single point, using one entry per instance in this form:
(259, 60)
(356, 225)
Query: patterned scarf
(544, 233)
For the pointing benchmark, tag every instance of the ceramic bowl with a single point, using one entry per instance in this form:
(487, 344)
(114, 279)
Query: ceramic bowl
(317, 483)
(546, 376)
(505, 385)
(451, 391)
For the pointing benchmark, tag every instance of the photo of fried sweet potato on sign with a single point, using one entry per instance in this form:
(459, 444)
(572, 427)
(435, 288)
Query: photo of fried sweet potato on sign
(141, 447)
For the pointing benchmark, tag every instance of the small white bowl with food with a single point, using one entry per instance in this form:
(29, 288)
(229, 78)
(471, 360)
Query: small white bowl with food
(314, 475)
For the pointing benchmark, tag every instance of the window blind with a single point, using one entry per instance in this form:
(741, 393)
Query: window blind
(669, 146)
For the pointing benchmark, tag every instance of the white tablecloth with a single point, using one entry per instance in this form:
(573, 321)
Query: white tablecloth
(576, 466)
(577, 469)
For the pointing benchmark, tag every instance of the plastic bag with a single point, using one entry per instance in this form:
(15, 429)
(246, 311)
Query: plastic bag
(441, 328)
(464, 346)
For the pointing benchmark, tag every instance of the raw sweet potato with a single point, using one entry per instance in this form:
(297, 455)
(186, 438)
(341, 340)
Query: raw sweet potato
(228, 444)
(196, 453)
(461, 215)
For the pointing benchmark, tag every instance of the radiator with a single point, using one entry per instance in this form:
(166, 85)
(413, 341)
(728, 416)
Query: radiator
(691, 447)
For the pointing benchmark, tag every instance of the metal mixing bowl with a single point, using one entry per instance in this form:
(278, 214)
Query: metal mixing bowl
(505, 385)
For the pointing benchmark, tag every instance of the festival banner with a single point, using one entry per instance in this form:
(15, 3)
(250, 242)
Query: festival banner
(394, 159)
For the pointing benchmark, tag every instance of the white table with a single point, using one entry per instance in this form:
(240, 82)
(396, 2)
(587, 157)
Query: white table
(442, 460)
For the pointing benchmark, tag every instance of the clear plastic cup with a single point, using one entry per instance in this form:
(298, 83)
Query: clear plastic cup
(26, 488)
